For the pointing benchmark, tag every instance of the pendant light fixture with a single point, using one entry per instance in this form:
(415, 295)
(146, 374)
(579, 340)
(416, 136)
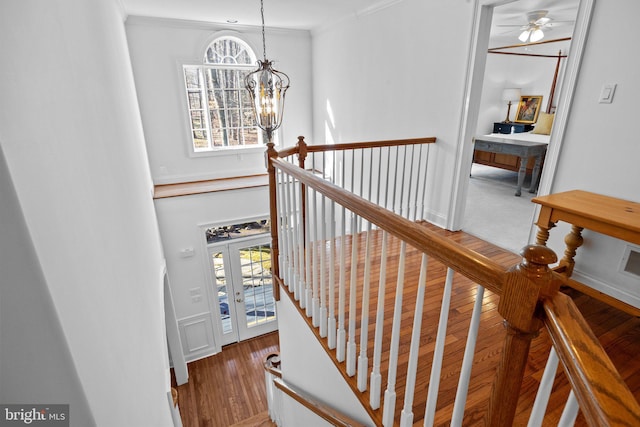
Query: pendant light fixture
(267, 88)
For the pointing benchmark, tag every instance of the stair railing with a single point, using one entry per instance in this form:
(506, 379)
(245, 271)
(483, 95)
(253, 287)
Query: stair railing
(319, 221)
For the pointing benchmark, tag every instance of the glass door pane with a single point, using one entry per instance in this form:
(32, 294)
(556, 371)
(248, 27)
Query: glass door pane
(254, 300)
(243, 286)
(220, 278)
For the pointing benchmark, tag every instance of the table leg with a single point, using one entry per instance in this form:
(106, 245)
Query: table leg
(535, 174)
(544, 225)
(521, 173)
(573, 240)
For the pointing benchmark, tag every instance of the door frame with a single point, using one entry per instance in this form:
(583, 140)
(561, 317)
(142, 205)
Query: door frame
(483, 14)
(226, 247)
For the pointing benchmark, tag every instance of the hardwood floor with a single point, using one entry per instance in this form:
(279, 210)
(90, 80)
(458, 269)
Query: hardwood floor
(229, 387)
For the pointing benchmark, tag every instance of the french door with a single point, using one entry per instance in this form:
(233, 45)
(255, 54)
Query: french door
(244, 287)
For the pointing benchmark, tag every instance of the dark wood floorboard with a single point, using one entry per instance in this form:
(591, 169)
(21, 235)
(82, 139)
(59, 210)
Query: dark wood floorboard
(229, 387)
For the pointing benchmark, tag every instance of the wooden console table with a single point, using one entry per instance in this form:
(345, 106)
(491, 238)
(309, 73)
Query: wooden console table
(520, 148)
(602, 214)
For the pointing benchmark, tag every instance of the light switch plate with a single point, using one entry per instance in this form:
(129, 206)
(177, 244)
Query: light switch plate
(606, 94)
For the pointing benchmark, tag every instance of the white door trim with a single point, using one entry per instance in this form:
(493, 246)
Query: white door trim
(173, 333)
(483, 14)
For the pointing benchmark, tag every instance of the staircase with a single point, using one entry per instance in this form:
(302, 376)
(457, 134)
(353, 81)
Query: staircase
(353, 252)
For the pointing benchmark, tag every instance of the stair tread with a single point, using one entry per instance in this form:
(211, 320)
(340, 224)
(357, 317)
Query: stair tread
(259, 420)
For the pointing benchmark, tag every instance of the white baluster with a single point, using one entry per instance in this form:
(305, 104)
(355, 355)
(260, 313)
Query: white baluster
(315, 301)
(301, 252)
(323, 270)
(376, 377)
(570, 412)
(363, 359)
(424, 185)
(544, 391)
(341, 335)
(308, 304)
(351, 344)
(438, 352)
(406, 417)
(294, 240)
(467, 360)
(331, 340)
(388, 411)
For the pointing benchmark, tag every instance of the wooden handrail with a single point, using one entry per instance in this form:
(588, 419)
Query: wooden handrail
(272, 364)
(473, 265)
(327, 413)
(604, 398)
(526, 291)
(353, 145)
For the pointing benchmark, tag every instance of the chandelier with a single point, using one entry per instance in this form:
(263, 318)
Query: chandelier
(267, 87)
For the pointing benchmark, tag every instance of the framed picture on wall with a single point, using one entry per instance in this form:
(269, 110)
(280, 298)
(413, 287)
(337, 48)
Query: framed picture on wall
(528, 108)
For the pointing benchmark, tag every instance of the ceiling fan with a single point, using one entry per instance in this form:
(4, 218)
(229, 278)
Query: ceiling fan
(537, 20)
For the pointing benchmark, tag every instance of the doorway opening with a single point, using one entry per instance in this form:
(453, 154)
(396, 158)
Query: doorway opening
(486, 108)
(243, 287)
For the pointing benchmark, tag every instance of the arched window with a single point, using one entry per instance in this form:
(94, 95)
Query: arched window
(219, 105)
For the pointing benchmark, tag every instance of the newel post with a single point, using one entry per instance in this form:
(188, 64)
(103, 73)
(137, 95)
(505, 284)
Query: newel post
(524, 286)
(273, 219)
(301, 147)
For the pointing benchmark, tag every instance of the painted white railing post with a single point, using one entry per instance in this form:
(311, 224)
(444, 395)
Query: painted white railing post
(323, 269)
(438, 352)
(363, 359)
(351, 344)
(388, 411)
(331, 341)
(308, 256)
(544, 390)
(406, 417)
(376, 377)
(295, 212)
(315, 300)
(341, 335)
(570, 412)
(467, 360)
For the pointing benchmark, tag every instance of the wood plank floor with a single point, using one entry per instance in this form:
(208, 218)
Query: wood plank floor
(229, 387)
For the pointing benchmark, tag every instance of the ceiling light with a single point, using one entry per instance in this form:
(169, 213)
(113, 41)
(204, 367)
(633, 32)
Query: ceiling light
(532, 34)
(267, 88)
(536, 35)
(524, 36)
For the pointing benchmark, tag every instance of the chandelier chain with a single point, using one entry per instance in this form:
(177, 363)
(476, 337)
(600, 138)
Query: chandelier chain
(264, 42)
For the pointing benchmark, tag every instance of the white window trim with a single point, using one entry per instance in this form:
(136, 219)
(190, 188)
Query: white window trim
(187, 131)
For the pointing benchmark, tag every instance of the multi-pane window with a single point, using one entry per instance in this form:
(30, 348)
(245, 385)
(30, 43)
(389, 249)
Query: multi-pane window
(220, 108)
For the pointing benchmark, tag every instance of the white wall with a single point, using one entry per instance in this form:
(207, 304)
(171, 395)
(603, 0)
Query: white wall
(306, 366)
(35, 363)
(183, 221)
(73, 141)
(160, 47)
(396, 73)
(600, 152)
(533, 75)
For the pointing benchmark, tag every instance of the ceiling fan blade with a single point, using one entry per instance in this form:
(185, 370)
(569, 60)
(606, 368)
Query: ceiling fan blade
(542, 21)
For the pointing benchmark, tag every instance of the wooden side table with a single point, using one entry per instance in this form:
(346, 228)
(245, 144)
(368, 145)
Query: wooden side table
(607, 215)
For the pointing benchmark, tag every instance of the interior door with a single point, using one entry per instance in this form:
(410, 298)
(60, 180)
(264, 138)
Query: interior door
(244, 288)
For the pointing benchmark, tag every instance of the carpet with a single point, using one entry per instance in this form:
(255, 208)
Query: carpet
(492, 211)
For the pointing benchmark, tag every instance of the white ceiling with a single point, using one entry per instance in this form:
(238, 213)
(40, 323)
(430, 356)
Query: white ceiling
(309, 14)
(312, 14)
(297, 14)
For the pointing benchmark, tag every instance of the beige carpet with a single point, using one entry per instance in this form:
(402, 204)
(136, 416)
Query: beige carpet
(493, 212)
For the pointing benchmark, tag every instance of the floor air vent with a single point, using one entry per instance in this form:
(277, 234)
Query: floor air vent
(631, 261)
